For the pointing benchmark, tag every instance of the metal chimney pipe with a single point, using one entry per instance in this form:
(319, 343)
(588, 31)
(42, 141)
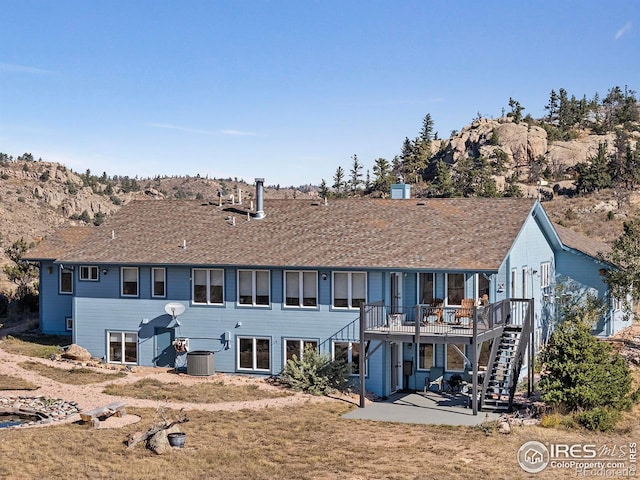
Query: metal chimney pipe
(259, 198)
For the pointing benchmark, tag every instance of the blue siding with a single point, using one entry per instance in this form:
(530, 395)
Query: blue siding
(98, 307)
(54, 306)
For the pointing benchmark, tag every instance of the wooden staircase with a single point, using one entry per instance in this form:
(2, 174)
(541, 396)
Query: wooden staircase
(502, 377)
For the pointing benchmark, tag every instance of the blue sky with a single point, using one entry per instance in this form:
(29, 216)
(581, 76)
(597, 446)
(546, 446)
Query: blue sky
(286, 90)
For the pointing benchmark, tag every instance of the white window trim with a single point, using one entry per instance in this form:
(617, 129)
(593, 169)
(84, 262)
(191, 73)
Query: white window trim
(525, 282)
(90, 269)
(349, 355)
(254, 353)
(349, 289)
(122, 294)
(545, 274)
(433, 357)
(65, 270)
(301, 342)
(446, 288)
(254, 291)
(153, 281)
(68, 323)
(208, 286)
(300, 289)
(514, 283)
(419, 286)
(123, 333)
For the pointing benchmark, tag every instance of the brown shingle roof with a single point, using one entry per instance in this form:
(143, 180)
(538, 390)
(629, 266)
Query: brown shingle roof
(464, 234)
(580, 242)
(57, 243)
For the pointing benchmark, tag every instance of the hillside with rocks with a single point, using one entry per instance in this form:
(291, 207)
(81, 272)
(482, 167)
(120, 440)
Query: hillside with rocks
(36, 197)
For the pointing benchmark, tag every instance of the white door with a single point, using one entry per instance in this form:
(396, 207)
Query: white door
(396, 367)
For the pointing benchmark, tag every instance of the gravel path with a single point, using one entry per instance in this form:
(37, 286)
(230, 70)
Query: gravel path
(90, 395)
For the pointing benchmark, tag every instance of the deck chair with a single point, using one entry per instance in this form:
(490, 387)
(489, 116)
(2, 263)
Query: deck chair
(466, 309)
(433, 313)
(435, 377)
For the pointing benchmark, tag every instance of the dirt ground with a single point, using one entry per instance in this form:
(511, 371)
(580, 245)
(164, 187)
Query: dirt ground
(90, 395)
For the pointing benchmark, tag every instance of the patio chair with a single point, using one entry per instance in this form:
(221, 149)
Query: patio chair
(435, 377)
(465, 310)
(433, 313)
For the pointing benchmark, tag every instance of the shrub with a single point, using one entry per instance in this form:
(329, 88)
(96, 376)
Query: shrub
(550, 421)
(315, 373)
(582, 372)
(601, 418)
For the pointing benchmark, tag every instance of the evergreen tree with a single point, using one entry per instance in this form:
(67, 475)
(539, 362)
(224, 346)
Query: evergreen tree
(355, 181)
(512, 188)
(623, 278)
(426, 134)
(382, 176)
(324, 189)
(442, 185)
(516, 110)
(552, 107)
(582, 372)
(594, 175)
(339, 184)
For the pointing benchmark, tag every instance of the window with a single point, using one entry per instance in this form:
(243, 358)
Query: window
(514, 282)
(123, 347)
(350, 353)
(208, 286)
(426, 356)
(349, 289)
(483, 286)
(66, 281)
(129, 281)
(525, 282)
(454, 361)
(254, 354)
(455, 288)
(68, 323)
(426, 288)
(301, 289)
(159, 281)
(545, 275)
(295, 347)
(253, 287)
(89, 273)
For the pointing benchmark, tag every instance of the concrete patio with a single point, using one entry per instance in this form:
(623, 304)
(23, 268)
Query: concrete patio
(434, 408)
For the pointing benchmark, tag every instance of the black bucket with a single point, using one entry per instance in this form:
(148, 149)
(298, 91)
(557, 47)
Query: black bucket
(176, 439)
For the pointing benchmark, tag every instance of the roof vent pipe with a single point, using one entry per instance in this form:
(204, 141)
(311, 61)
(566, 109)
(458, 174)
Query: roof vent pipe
(259, 198)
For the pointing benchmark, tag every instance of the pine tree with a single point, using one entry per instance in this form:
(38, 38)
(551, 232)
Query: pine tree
(355, 181)
(338, 182)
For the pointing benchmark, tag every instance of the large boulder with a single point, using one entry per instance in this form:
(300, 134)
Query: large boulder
(76, 352)
(159, 441)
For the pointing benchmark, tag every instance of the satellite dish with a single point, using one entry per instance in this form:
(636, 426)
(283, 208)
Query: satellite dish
(174, 309)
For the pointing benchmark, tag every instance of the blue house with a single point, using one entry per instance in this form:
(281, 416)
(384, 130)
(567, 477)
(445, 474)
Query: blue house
(401, 288)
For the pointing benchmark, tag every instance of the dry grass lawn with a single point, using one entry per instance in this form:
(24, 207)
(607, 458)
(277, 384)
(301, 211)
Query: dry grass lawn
(210, 392)
(73, 376)
(8, 382)
(40, 346)
(305, 442)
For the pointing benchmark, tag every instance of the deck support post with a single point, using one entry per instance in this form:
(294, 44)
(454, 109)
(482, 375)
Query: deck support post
(361, 357)
(474, 369)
